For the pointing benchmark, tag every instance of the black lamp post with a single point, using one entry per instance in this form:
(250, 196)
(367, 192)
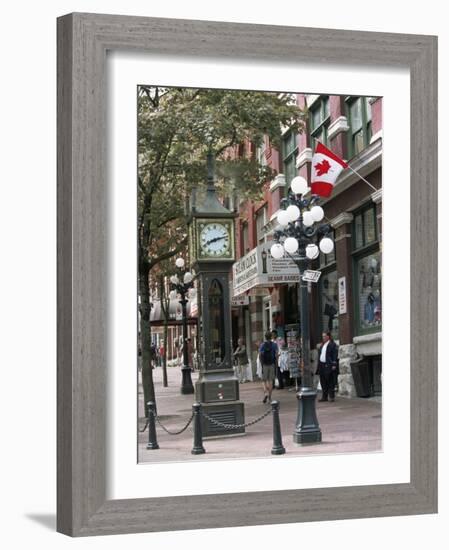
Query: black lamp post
(297, 237)
(182, 288)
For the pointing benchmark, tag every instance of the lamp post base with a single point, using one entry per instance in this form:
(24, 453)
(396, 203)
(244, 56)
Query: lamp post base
(186, 384)
(307, 427)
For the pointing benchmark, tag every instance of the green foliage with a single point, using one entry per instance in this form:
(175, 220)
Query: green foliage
(176, 128)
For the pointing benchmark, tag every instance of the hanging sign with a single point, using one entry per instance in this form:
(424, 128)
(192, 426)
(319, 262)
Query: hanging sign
(259, 269)
(311, 276)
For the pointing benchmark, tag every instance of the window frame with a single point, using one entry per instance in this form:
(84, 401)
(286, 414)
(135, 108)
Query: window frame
(261, 212)
(319, 105)
(366, 124)
(289, 155)
(366, 249)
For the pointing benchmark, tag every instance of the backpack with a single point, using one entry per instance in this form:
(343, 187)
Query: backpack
(267, 354)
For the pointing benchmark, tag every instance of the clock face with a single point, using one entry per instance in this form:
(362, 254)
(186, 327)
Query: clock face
(215, 240)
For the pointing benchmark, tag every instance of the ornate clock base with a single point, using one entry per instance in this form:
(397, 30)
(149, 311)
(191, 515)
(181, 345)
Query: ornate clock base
(224, 414)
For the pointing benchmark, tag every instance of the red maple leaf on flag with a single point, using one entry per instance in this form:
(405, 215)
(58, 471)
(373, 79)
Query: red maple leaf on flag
(322, 167)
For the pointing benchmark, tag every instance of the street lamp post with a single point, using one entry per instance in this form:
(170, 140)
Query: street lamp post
(297, 237)
(182, 287)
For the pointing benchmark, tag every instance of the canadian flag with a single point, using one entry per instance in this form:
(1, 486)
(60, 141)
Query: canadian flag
(326, 168)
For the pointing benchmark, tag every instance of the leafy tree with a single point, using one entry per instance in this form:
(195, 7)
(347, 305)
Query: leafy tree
(177, 127)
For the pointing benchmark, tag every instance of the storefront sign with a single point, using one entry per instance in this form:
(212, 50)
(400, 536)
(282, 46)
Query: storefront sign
(242, 300)
(342, 295)
(259, 269)
(311, 276)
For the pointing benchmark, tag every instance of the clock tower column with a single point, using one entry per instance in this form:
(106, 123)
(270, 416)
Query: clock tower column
(212, 250)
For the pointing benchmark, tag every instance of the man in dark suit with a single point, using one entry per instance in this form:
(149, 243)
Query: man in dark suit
(327, 367)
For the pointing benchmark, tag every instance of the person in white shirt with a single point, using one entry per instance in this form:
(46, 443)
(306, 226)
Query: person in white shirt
(327, 366)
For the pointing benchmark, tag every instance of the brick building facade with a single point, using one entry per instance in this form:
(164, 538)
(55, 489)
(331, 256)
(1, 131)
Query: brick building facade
(347, 299)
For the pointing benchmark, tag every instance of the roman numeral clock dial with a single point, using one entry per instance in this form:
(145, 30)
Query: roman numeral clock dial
(215, 240)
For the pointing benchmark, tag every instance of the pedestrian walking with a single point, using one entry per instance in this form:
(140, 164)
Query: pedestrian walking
(327, 366)
(161, 351)
(268, 352)
(279, 374)
(241, 356)
(153, 355)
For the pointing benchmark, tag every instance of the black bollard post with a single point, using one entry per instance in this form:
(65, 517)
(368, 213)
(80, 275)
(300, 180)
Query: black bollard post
(278, 448)
(152, 440)
(198, 448)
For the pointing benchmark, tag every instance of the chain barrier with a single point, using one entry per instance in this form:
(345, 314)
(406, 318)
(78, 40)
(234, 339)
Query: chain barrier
(170, 432)
(236, 426)
(145, 427)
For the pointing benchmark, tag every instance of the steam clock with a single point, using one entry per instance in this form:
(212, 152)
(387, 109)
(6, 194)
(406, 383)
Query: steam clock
(212, 249)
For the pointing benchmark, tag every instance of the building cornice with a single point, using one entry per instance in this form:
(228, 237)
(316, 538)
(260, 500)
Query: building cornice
(304, 156)
(338, 126)
(342, 219)
(376, 136)
(377, 196)
(279, 181)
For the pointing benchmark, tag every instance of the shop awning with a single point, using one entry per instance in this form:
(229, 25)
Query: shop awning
(259, 269)
(174, 312)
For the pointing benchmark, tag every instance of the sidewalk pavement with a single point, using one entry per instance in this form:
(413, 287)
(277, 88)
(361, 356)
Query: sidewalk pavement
(347, 425)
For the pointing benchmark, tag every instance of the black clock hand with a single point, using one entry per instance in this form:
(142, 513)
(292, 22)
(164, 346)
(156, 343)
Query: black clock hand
(215, 239)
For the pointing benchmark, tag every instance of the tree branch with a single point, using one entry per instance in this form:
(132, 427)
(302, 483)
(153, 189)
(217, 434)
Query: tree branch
(169, 253)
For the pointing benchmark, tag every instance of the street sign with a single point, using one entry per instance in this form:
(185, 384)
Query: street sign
(312, 276)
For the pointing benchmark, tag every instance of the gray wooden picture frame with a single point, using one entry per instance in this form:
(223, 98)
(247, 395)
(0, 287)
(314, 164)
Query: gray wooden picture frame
(83, 40)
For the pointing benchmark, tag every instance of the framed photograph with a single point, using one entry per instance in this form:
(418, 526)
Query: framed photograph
(112, 73)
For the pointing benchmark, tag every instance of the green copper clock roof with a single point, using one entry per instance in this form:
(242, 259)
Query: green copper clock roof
(211, 204)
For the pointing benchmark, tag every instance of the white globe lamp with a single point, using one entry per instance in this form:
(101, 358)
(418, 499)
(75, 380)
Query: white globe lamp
(174, 280)
(283, 218)
(180, 262)
(299, 185)
(326, 245)
(291, 245)
(317, 213)
(277, 251)
(188, 277)
(293, 212)
(307, 219)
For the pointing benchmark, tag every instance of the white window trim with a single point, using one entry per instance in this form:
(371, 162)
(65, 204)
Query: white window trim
(304, 157)
(311, 98)
(279, 181)
(338, 126)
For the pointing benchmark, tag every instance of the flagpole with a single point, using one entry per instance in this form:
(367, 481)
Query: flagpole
(346, 165)
(362, 178)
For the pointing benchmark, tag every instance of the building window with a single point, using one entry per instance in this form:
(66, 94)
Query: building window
(328, 300)
(367, 272)
(369, 281)
(365, 228)
(289, 154)
(319, 121)
(245, 238)
(261, 154)
(261, 220)
(359, 118)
